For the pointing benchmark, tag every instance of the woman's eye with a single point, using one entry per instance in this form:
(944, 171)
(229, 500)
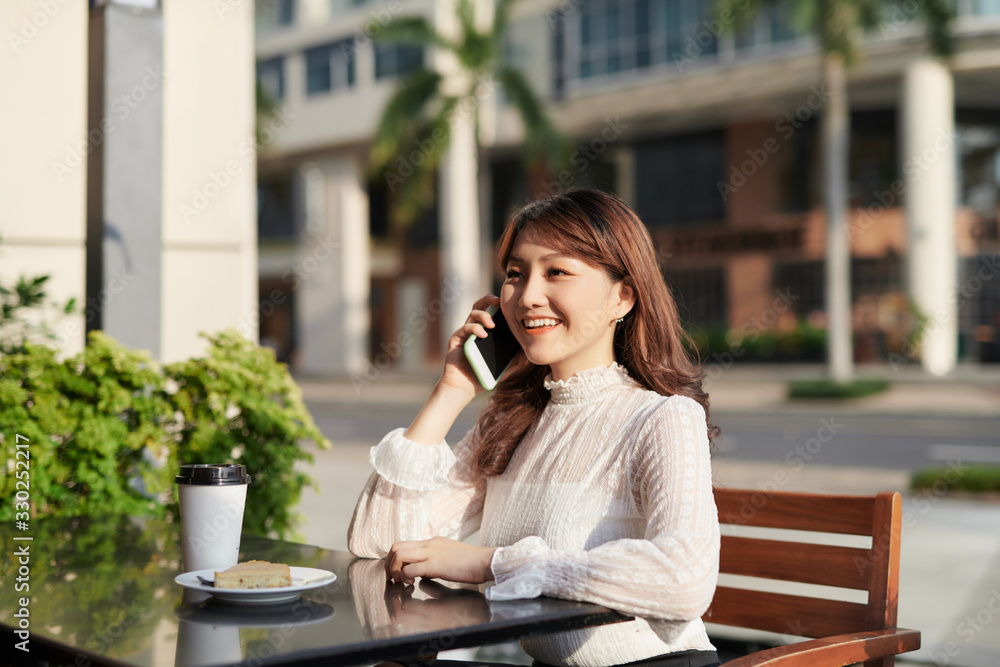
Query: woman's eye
(513, 273)
(558, 272)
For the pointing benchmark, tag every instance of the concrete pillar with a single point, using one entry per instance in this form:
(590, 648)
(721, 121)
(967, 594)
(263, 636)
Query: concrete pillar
(929, 171)
(413, 328)
(624, 160)
(332, 267)
(461, 238)
(460, 233)
(131, 125)
(43, 166)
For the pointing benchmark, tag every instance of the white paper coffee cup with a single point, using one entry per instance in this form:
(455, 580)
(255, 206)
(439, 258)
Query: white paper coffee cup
(212, 499)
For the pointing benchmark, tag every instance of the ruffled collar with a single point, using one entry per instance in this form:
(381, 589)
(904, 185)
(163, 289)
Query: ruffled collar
(587, 384)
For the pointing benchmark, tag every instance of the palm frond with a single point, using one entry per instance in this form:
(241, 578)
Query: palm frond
(475, 50)
(466, 12)
(415, 30)
(737, 14)
(870, 13)
(414, 191)
(938, 16)
(542, 139)
(837, 24)
(501, 19)
(409, 102)
(804, 17)
(266, 108)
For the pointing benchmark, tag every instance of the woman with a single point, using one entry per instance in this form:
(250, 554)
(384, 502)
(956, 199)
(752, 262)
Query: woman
(588, 473)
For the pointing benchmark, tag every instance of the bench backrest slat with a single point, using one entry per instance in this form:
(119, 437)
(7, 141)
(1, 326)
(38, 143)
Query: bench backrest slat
(850, 515)
(846, 567)
(786, 614)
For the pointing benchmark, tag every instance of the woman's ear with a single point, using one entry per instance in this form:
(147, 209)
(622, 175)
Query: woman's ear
(626, 296)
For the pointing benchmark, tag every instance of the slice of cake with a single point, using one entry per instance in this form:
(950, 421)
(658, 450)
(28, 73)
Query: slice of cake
(254, 574)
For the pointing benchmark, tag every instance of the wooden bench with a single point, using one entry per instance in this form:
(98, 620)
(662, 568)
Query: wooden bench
(840, 633)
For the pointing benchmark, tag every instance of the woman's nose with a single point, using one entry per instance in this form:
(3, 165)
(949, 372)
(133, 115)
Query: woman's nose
(532, 293)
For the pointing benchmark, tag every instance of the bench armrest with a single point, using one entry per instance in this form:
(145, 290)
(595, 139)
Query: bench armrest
(835, 651)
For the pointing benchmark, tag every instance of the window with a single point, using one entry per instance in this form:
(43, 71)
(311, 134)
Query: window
(558, 54)
(873, 154)
(275, 209)
(286, 12)
(396, 60)
(700, 295)
(271, 75)
(772, 26)
(274, 14)
(986, 8)
(614, 36)
(676, 179)
(330, 67)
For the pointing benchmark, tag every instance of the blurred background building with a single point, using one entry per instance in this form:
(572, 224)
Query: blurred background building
(124, 176)
(711, 135)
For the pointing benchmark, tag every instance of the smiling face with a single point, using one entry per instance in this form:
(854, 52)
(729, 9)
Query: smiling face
(561, 309)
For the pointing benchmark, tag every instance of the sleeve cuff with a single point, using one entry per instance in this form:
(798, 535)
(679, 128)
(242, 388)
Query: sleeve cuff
(412, 465)
(529, 568)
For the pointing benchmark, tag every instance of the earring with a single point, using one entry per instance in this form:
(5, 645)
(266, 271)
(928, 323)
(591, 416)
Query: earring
(619, 320)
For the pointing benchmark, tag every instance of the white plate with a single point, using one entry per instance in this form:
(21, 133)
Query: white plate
(303, 579)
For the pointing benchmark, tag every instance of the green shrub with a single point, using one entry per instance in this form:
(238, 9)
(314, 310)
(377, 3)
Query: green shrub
(976, 478)
(108, 428)
(803, 342)
(826, 388)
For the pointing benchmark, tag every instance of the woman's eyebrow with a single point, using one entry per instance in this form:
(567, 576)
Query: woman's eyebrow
(543, 258)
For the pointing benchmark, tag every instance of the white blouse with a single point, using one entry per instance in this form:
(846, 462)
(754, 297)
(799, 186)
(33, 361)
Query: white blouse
(607, 500)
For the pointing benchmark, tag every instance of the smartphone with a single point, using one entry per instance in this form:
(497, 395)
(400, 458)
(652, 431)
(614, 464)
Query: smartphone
(490, 356)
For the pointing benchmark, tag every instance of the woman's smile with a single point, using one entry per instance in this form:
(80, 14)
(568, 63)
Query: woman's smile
(535, 326)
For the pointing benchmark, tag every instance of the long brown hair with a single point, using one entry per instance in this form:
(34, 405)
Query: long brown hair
(600, 229)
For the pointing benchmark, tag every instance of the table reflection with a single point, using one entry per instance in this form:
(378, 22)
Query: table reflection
(391, 610)
(208, 633)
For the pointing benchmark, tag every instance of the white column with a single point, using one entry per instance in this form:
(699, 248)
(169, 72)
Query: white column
(332, 268)
(460, 237)
(929, 172)
(461, 245)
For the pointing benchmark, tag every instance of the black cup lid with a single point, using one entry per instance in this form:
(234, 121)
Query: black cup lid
(213, 474)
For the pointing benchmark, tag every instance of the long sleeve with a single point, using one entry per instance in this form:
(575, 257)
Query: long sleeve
(416, 492)
(670, 574)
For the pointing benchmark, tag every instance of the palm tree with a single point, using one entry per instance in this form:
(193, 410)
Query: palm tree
(837, 25)
(432, 120)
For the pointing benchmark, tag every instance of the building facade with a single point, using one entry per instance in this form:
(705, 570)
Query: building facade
(710, 133)
(128, 168)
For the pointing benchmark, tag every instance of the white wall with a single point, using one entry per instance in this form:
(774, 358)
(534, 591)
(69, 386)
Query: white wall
(43, 66)
(209, 174)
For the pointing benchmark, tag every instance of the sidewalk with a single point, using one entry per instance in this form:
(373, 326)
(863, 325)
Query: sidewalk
(950, 566)
(970, 390)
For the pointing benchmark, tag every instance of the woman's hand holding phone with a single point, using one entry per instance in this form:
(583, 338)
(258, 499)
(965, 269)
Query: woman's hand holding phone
(458, 374)
(458, 384)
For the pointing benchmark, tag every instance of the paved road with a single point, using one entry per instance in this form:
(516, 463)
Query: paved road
(367, 423)
(819, 438)
(864, 440)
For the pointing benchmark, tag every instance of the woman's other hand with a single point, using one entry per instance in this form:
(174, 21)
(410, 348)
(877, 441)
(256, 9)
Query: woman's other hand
(438, 558)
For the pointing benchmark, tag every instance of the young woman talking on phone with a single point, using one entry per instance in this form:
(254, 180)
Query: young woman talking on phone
(588, 472)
